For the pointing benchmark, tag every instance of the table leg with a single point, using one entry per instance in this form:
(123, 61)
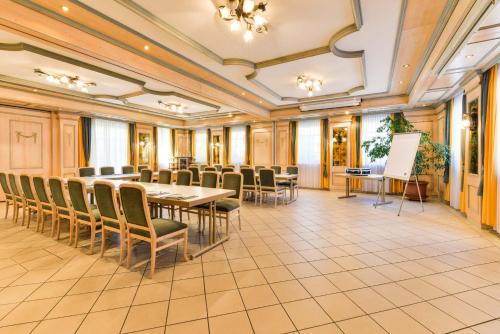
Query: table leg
(292, 195)
(382, 195)
(347, 189)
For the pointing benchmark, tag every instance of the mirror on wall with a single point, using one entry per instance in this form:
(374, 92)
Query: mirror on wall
(472, 112)
(216, 149)
(339, 147)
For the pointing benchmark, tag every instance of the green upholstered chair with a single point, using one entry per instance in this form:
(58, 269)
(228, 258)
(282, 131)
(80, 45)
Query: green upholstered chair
(202, 167)
(210, 169)
(276, 168)
(86, 171)
(128, 169)
(196, 175)
(218, 167)
(231, 206)
(226, 170)
(85, 213)
(19, 201)
(9, 199)
(165, 176)
(268, 186)
(231, 166)
(62, 203)
(258, 168)
(30, 198)
(108, 170)
(184, 177)
(141, 167)
(209, 179)
(294, 182)
(141, 227)
(111, 217)
(250, 186)
(244, 166)
(146, 175)
(47, 207)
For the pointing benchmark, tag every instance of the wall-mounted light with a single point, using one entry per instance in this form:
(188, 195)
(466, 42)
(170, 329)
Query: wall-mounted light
(465, 122)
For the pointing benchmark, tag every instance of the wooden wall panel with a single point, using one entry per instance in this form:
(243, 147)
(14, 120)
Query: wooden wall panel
(262, 147)
(25, 144)
(282, 143)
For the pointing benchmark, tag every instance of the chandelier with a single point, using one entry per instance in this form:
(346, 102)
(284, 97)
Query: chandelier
(247, 13)
(71, 82)
(172, 107)
(307, 83)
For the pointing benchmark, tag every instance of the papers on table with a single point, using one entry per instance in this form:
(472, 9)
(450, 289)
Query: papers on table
(166, 194)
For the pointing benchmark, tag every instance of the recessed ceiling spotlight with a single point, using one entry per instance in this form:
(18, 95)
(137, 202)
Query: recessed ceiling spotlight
(65, 8)
(347, 113)
(35, 90)
(469, 56)
(243, 93)
(260, 102)
(406, 65)
(146, 47)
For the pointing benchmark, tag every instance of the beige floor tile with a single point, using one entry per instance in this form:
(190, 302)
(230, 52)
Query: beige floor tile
(110, 321)
(467, 278)
(393, 273)
(445, 283)
(115, 298)
(249, 278)
(6, 308)
(152, 293)
(52, 289)
(396, 322)
(74, 304)
(339, 307)
(59, 325)
(306, 313)
(187, 288)
(15, 294)
(157, 330)
(145, 316)
(188, 271)
(460, 310)
(492, 291)
(415, 268)
(270, 320)
(161, 275)
(258, 296)
(318, 286)
(345, 281)
(277, 274)
(242, 264)
(422, 289)
(370, 277)
(369, 300)
(290, 257)
(224, 302)
(18, 329)
(397, 294)
(288, 291)
(90, 284)
(433, 318)
(300, 270)
(218, 283)
(349, 262)
(265, 261)
(102, 267)
(481, 301)
(196, 326)
(187, 309)
(492, 327)
(216, 268)
(327, 266)
(361, 325)
(231, 323)
(124, 280)
(29, 311)
(324, 329)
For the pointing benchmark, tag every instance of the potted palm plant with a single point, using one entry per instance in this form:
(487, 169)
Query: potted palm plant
(431, 156)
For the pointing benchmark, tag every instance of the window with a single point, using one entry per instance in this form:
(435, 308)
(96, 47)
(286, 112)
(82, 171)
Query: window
(369, 126)
(309, 153)
(455, 151)
(109, 144)
(238, 145)
(164, 148)
(201, 146)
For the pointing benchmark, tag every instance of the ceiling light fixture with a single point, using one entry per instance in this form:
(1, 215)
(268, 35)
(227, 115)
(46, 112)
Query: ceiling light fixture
(146, 47)
(311, 85)
(244, 13)
(70, 81)
(65, 9)
(173, 107)
(406, 65)
(469, 56)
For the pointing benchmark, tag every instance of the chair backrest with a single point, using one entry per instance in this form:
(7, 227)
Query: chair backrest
(202, 167)
(78, 194)
(210, 169)
(258, 168)
(5, 184)
(57, 190)
(277, 169)
(209, 179)
(146, 175)
(193, 165)
(105, 196)
(27, 189)
(248, 176)
(226, 170)
(218, 167)
(196, 173)
(266, 178)
(233, 181)
(128, 169)
(165, 176)
(41, 189)
(108, 170)
(292, 169)
(184, 177)
(13, 185)
(244, 166)
(231, 166)
(135, 207)
(141, 167)
(86, 171)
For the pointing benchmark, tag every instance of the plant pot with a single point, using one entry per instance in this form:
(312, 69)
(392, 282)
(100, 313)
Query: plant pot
(412, 191)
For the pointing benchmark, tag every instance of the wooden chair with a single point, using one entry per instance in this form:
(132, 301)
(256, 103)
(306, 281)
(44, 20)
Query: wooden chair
(218, 167)
(202, 167)
(208, 180)
(84, 213)
(196, 175)
(142, 228)
(86, 171)
(30, 198)
(111, 216)
(250, 185)
(62, 203)
(268, 185)
(141, 167)
(231, 166)
(295, 182)
(276, 168)
(108, 170)
(9, 198)
(210, 169)
(258, 168)
(47, 207)
(128, 169)
(146, 175)
(19, 201)
(165, 176)
(184, 178)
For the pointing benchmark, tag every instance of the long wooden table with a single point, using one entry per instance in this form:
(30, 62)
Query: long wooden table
(132, 176)
(371, 177)
(183, 196)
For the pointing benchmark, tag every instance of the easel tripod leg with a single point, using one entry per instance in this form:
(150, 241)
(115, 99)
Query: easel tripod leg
(419, 195)
(403, 198)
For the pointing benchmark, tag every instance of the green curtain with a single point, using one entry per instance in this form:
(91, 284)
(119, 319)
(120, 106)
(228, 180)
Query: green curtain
(131, 143)
(155, 149)
(292, 156)
(190, 143)
(86, 140)
(447, 136)
(209, 147)
(172, 136)
(484, 111)
(248, 145)
(325, 155)
(227, 145)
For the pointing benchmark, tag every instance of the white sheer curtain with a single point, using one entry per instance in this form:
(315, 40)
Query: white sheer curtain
(455, 151)
(309, 153)
(164, 148)
(369, 126)
(109, 144)
(201, 146)
(237, 145)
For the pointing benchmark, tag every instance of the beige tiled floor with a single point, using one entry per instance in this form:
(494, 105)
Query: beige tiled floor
(320, 265)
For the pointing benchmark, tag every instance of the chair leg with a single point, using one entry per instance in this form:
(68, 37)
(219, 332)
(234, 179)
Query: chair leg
(103, 241)
(185, 245)
(239, 220)
(275, 199)
(14, 213)
(153, 259)
(77, 232)
(7, 204)
(129, 250)
(23, 210)
(92, 238)
(29, 218)
(122, 246)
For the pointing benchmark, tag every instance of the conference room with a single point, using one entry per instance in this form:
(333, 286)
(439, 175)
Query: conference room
(246, 166)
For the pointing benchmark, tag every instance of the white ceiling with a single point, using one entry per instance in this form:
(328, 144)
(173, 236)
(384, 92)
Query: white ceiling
(151, 101)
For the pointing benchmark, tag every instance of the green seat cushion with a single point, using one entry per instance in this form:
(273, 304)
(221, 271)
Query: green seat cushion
(111, 224)
(95, 212)
(8, 196)
(162, 227)
(225, 205)
(284, 183)
(249, 187)
(19, 199)
(46, 207)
